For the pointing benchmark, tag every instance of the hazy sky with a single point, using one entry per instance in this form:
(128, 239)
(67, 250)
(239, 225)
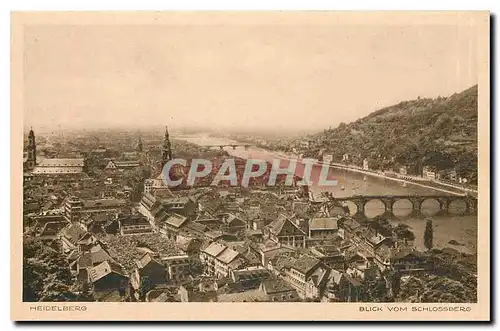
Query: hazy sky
(272, 77)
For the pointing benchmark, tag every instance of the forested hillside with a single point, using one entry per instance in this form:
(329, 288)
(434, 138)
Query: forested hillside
(441, 133)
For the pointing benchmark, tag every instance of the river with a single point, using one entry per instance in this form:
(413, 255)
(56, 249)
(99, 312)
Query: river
(462, 229)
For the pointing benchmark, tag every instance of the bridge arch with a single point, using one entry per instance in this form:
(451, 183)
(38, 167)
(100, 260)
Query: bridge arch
(458, 206)
(353, 208)
(432, 206)
(374, 207)
(402, 207)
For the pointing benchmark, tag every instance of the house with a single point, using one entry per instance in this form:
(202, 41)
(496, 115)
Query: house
(330, 255)
(50, 231)
(187, 244)
(81, 263)
(148, 273)
(352, 291)
(277, 289)
(111, 165)
(172, 225)
(323, 227)
(147, 205)
(406, 260)
(255, 235)
(219, 260)
(285, 232)
(362, 268)
(108, 276)
(250, 277)
(122, 164)
(70, 235)
(307, 275)
(60, 168)
(232, 223)
(226, 261)
(76, 208)
(193, 229)
(178, 267)
(86, 242)
(347, 228)
(134, 224)
(40, 221)
(336, 285)
(251, 295)
(159, 295)
(343, 288)
(98, 223)
(219, 235)
(185, 206)
(269, 249)
(191, 293)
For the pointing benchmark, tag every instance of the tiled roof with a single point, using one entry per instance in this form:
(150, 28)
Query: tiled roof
(145, 260)
(73, 232)
(183, 242)
(52, 228)
(61, 163)
(56, 170)
(250, 273)
(175, 200)
(130, 220)
(197, 227)
(227, 256)
(305, 264)
(214, 249)
(148, 200)
(323, 223)
(276, 285)
(335, 276)
(103, 203)
(176, 220)
(96, 255)
(104, 269)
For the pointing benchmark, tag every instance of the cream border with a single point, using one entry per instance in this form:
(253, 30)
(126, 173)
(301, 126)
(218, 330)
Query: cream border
(248, 311)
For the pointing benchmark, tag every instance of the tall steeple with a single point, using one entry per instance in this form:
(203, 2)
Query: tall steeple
(31, 162)
(139, 144)
(166, 154)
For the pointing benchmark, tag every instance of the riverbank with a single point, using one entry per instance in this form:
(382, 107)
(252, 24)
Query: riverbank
(435, 186)
(396, 179)
(421, 183)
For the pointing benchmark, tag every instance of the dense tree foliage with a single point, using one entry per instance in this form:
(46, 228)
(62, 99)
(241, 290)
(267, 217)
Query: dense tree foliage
(440, 132)
(46, 275)
(428, 234)
(453, 279)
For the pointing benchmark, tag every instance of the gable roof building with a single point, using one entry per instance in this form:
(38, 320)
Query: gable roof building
(284, 231)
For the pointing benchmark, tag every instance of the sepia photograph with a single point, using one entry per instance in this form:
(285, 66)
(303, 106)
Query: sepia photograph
(250, 166)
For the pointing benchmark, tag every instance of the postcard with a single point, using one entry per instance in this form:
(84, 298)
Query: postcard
(250, 166)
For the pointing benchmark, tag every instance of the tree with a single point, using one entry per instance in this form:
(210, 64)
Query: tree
(402, 231)
(84, 292)
(46, 275)
(145, 286)
(428, 235)
(54, 290)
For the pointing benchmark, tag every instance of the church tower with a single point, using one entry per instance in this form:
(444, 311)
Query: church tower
(31, 162)
(139, 145)
(166, 154)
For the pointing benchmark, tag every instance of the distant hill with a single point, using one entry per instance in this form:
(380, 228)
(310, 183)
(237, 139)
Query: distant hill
(441, 133)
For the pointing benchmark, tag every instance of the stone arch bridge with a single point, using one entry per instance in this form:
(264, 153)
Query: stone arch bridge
(444, 202)
(221, 146)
